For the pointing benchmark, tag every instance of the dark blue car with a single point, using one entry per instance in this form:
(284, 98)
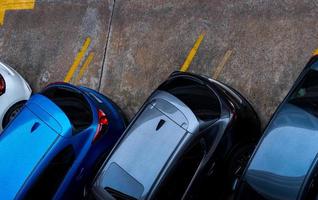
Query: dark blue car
(285, 164)
(54, 145)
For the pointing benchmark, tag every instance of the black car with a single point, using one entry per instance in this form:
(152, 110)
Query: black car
(284, 165)
(192, 137)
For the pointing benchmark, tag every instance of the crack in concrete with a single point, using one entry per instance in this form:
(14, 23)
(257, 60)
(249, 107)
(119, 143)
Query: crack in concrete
(106, 46)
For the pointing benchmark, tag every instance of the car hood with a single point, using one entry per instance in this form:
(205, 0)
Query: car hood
(285, 155)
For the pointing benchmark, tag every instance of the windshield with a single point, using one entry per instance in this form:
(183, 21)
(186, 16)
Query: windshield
(199, 98)
(73, 104)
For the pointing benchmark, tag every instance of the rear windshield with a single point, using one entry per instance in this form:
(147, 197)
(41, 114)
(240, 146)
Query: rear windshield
(199, 98)
(73, 104)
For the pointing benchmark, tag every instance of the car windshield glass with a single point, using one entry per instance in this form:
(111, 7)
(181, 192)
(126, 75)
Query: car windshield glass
(199, 98)
(73, 104)
(306, 95)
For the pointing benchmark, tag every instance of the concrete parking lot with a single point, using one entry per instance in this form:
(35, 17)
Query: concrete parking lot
(125, 48)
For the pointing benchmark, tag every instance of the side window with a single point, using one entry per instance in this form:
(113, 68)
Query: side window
(73, 104)
(180, 177)
(199, 98)
(49, 181)
(306, 95)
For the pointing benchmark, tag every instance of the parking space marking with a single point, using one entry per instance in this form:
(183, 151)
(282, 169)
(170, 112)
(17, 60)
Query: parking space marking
(6, 5)
(77, 60)
(192, 53)
(85, 66)
(221, 65)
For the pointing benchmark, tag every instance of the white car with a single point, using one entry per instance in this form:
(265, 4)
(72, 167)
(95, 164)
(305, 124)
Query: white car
(14, 92)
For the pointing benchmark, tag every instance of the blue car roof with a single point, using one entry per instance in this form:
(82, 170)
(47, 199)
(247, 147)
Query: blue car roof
(26, 142)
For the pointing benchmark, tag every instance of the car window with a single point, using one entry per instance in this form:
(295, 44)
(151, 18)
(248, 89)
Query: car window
(50, 179)
(73, 104)
(199, 98)
(306, 95)
(180, 177)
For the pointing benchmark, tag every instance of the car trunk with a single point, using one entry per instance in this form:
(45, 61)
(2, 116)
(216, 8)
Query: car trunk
(24, 143)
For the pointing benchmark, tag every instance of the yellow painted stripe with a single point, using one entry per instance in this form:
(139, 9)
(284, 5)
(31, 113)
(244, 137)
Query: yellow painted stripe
(18, 5)
(221, 65)
(315, 52)
(77, 60)
(2, 13)
(85, 66)
(14, 5)
(192, 53)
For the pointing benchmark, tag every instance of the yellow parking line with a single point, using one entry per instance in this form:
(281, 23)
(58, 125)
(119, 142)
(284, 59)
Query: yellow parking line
(221, 65)
(77, 60)
(315, 52)
(6, 5)
(85, 66)
(192, 53)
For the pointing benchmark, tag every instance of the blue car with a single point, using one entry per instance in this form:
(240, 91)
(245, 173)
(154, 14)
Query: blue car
(54, 145)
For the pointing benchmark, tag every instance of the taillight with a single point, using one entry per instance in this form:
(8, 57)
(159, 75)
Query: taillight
(102, 118)
(2, 85)
(102, 124)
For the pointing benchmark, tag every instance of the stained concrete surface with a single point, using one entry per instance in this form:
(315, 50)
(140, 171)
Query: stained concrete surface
(148, 39)
(42, 43)
(271, 43)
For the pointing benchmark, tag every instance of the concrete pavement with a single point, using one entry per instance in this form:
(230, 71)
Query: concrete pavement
(257, 47)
